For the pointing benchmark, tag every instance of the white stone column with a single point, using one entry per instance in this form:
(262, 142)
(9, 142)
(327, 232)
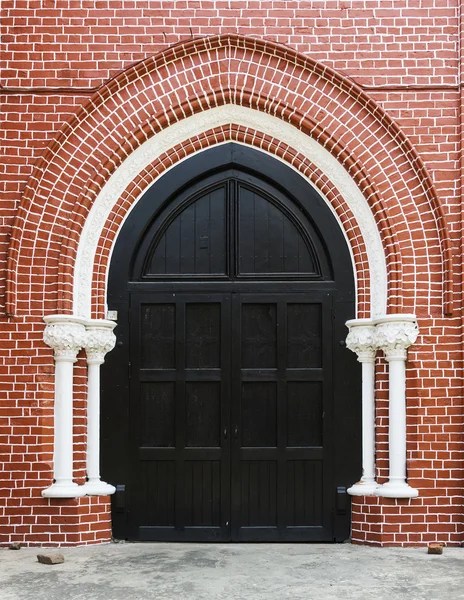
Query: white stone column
(100, 339)
(361, 340)
(66, 335)
(394, 335)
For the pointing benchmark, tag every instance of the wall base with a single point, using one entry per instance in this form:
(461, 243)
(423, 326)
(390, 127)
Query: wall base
(60, 523)
(380, 521)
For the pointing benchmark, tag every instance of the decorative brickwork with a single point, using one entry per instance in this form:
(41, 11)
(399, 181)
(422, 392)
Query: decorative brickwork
(186, 79)
(222, 134)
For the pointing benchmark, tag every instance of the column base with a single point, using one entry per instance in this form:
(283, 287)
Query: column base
(98, 488)
(396, 489)
(363, 488)
(63, 490)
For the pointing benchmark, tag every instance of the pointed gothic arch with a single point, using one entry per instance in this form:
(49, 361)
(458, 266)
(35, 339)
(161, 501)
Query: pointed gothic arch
(191, 79)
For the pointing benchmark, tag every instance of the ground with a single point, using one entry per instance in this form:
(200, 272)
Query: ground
(233, 572)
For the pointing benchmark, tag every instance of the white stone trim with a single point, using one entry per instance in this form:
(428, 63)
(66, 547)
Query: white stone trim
(100, 339)
(394, 334)
(361, 340)
(195, 125)
(67, 335)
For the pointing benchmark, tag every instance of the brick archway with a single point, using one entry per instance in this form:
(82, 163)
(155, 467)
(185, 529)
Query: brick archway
(120, 194)
(226, 133)
(196, 76)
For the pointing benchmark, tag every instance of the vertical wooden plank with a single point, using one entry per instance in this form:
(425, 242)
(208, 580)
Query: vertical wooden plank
(217, 231)
(312, 487)
(318, 496)
(244, 516)
(239, 485)
(207, 512)
(180, 413)
(299, 492)
(261, 237)
(263, 493)
(245, 251)
(197, 467)
(253, 482)
(201, 241)
(282, 408)
(216, 481)
(275, 240)
(187, 240)
(290, 494)
(173, 248)
(223, 472)
(188, 493)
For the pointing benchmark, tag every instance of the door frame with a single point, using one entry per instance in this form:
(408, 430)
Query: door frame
(346, 382)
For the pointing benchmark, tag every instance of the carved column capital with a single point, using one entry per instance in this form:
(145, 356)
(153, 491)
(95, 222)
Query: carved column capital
(361, 339)
(394, 334)
(99, 340)
(66, 335)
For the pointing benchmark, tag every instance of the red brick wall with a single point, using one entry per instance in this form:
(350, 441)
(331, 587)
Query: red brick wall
(59, 43)
(57, 54)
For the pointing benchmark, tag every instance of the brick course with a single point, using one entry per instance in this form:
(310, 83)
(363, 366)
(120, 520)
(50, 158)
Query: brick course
(76, 100)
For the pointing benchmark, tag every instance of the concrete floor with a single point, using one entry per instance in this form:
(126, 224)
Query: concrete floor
(233, 572)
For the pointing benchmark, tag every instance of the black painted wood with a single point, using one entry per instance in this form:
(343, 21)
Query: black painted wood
(281, 385)
(229, 409)
(181, 386)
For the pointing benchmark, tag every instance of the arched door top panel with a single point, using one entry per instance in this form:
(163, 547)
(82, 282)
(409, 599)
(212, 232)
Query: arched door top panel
(232, 213)
(232, 228)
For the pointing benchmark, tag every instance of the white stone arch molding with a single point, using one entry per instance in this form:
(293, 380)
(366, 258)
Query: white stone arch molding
(196, 125)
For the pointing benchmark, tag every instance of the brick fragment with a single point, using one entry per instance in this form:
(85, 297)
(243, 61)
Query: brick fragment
(50, 558)
(435, 549)
(15, 546)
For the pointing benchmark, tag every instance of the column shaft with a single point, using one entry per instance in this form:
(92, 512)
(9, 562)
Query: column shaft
(100, 339)
(93, 423)
(397, 417)
(368, 422)
(361, 341)
(63, 414)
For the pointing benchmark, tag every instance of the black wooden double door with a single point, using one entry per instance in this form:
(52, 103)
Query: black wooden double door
(238, 417)
(232, 430)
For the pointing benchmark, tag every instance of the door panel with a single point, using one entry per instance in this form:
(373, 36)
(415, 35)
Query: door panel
(157, 345)
(304, 495)
(259, 335)
(157, 414)
(304, 413)
(203, 335)
(258, 419)
(258, 495)
(182, 489)
(281, 374)
(304, 335)
(202, 414)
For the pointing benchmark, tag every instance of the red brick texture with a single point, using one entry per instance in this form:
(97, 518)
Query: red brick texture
(375, 82)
